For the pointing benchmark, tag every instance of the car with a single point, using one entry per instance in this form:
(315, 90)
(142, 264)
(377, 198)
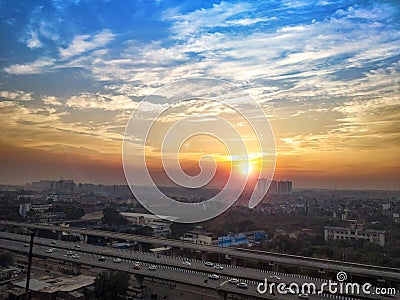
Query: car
(233, 281)
(53, 242)
(77, 246)
(218, 267)
(152, 267)
(70, 253)
(304, 296)
(50, 250)
(102, 258)
(213, 276)
(275, 277)
(136, 266)
(26, 245)
(242, 285)
(290, 291)
(187, 263)
(75, 256)
(209, 264)
(117, 260)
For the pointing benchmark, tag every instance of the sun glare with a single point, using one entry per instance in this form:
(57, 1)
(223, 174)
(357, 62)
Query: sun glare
(245, 168)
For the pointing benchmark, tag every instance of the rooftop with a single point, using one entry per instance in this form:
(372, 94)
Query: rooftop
(348, 228)
(62, 284)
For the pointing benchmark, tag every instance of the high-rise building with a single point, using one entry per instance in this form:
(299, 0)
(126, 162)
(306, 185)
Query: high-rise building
(274, 187)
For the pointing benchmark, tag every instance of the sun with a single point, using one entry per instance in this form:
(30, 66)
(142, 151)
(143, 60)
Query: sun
(246, 168)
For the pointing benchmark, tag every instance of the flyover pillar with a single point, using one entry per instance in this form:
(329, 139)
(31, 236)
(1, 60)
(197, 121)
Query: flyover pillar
(223, 295)
(204, 255)
(233, 261)
(139, 279)
(274, 267)
(77, 268)
(174, 251)
(140, 245)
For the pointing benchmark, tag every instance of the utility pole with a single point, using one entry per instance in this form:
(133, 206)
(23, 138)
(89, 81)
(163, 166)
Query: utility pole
(28, 276)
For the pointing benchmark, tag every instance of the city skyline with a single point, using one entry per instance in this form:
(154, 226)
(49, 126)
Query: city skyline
(326, 74)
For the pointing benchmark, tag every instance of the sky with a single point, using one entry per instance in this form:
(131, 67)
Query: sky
(324, 72)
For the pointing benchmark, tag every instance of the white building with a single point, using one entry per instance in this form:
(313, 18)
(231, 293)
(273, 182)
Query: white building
(396, 217)
(161, 226)
(144, 219)
(198, 237)
(37, 208)
(354, 232)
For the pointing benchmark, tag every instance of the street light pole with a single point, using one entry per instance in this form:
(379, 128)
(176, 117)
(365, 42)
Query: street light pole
(28, 276)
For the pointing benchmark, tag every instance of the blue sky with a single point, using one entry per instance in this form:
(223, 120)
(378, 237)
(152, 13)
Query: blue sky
(326, 73)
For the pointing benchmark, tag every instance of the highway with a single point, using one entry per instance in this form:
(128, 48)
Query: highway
(168, 268)
(281, 259)
(171, 274)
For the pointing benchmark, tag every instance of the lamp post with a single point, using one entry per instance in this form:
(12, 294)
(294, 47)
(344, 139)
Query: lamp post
(28, 275)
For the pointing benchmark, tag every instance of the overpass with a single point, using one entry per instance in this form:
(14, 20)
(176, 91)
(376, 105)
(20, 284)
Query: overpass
(168, 268)
(391, 275)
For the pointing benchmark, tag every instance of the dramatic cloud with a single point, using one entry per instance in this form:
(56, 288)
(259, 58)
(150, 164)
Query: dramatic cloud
(37, 67)
(84, 43)
(325, 72)
(16, 95)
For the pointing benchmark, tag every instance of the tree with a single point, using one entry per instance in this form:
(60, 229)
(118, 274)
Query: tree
(111, 286)
(6, 259)
(145, 230)
(112, 217)
(74, 213)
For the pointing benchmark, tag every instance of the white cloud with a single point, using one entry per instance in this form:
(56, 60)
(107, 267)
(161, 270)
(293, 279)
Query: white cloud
(16, 95)
(37, 67)
(218, 15)
(33, 41)
(84, 43)
(51, 100)
(104, 102)
(249, 21)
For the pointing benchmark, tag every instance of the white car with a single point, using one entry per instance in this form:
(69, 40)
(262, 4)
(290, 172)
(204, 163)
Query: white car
(117, 260)
(233, 281)
(290, 291)
(303, 296)
(218, 267)
(213, 276)
(53, 242)
(77, 246)
(50, 250)
(209, 264)
(152, 267)
(242, 285)
(75, 256)
(187, 263)
(136, 265)
(70, 253)
(275, 277)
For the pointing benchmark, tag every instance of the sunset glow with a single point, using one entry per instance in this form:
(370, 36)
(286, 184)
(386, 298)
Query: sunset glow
(325, 73)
